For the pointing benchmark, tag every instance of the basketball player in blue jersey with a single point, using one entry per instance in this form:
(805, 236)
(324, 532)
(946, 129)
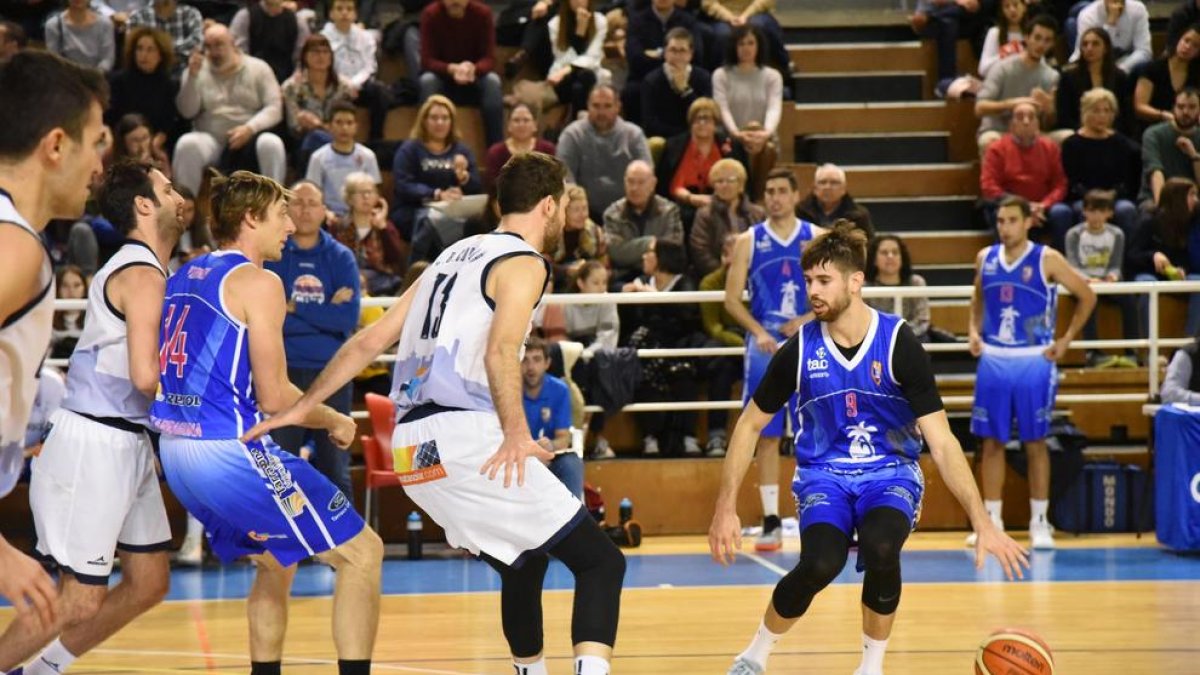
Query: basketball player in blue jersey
(461, 422)
(222, 361)
(82, 517)
(766, 262)
(866, 399)
(52, 137)
(1013, 314)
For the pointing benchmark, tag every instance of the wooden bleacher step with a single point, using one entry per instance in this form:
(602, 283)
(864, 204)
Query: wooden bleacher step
(840, 87)
(914, 147)
(859, 56)
(904, 180)
(919, 214)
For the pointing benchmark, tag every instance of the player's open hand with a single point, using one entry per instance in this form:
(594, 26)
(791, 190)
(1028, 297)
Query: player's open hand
(1013, 558)
(725, 536)
(291, 417)
(26, 585)
(511, 456)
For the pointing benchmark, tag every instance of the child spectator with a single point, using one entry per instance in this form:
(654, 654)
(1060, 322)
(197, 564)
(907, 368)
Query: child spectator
(355, 61)
(331, 163)
(68, 325)
(597, 327)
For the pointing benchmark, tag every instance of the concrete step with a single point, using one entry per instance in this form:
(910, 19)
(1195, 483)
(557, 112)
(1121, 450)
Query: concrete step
(838, 87)
(922, 213)
(923, 147)
(903, 180)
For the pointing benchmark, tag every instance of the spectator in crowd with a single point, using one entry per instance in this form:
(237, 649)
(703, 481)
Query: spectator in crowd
(1169, 148)
(1096, 248)
(271, 31)
(547, 403)
(940, 20)
(829, 201)
(598, 149)
(1127, 22)
(523, 125)
(71, 284)
(638, 219)
(233, 101)
(82, 35)
(355, 61)
(1180, 384)
(596, 326)
(582, 239)
(320, 279)
(1186, 15)
(723, 330)
(410, 40)
(342, 156)
(669, 91)
(576, 34)
(1162, 248)
(134, 139)
(1162, 79)
(645, 47)
(688, 158)
(1095, 69)
(727, 15)
(183, 23)
(458, 59)
(1028, 79)
(729, 213)
(750, 96)
(309, 96)
(1099, 158)
(433, 165)
(12, 40)
(145, 85)
(1029, 165)
(1004, 39)
(890, 265)
(196, 239)
(365, 230)
(526, 26)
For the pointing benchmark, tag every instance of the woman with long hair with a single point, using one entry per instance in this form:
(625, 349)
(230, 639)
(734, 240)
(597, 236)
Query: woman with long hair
(70, 284)
(144, 83)
(577, 35)
(134, 139)
(309, 95)
(890, 264)
(1165, 246)
(1095, 69)
(750, 97)
(1161, 79)
(1003, 39)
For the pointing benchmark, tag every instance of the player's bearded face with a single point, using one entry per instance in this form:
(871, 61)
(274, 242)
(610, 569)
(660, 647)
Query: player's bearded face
(829, 296)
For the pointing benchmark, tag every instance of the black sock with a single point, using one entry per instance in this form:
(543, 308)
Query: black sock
(265, 667)
(354, 667)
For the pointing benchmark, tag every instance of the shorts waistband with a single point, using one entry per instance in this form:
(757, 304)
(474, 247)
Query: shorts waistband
(425, 410)
(115, 423)
(1014, 352)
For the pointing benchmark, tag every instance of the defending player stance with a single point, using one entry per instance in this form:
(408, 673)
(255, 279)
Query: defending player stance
(51, 139)
(221, 361)
(457, 388)
(866, 397)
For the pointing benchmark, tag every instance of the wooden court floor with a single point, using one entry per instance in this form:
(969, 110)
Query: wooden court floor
(1095, 627)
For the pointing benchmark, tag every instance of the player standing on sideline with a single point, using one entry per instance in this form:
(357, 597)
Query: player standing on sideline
(221, 361)
(766, 260)
(457, 386)
(51, 140)
(1013, 314)
(865, 397)
(83, 517)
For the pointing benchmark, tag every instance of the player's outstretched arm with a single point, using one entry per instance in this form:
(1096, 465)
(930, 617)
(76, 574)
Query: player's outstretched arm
(725, 533)
(953, 467)
(1060, 271)
(26, 585)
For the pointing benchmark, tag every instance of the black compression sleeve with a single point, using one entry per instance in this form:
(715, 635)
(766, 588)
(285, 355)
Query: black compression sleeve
(779, 382)
(910, 365)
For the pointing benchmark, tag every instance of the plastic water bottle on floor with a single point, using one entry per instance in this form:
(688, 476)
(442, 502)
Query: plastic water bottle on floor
(626, 510)
(415, 525)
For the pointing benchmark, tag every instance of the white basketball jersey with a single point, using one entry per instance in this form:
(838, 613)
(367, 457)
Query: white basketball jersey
(440, 358)
(24, 338)
(98, 381)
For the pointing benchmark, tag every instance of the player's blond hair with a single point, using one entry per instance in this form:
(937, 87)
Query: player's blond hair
(240, 194)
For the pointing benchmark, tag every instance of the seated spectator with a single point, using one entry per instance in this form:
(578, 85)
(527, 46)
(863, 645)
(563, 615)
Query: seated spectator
(1005, 38)
(233, 101)
(365, 230)
(940, 21)
(1098, 158)
(433, 165)
(598, 149)
(633, 223)
(723, 330)
(729, 213)
(309, 95)
(134, 139)
(1096, 248)
(1028, 79)
(1170, 148)
(547, 403)
(668, 92)
(332, 163)
(354, 58)
(1163, 248)
(70, 284)
(183, 23)
(1161, 79)
(271, 31)
(889, 264)
(1029, 165)
(82, 35)
(576, 36)
(750, 96)
(144, 84)
(688, 159)
(829, 201)
(645, 46)
(596, 327)
(1186, 15)
(727, 15)
(1095, 69)
(458, 59)
(12, 40)
(1180, 384)
(582, 239)
(196, 239)
(523, 124)
(1127, 22)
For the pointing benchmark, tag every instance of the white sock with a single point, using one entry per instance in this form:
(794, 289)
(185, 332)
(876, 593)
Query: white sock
(53, 660)
(770, 499)
(1038, 509)
(536, 668)
(994, 508)
(194, 527)
(591, 665)
(760, 648)
(872, 659)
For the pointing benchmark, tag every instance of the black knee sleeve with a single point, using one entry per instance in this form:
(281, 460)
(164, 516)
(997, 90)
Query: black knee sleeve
(880, 537)
(521, 603)
(599, 569)
(823, 551)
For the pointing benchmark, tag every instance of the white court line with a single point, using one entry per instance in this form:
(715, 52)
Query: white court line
(765, 563)
(286, 661)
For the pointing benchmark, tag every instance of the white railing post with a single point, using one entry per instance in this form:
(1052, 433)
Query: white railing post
(1153, 337)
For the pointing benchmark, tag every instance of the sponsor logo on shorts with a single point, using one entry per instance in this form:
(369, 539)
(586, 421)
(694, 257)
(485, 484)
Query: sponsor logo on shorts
(271, 469)
(99, 562)
(979, 414)
(294, 504)
(814, 499)
(263, 536)
(177, 427)
(416, 464)
(902, 493)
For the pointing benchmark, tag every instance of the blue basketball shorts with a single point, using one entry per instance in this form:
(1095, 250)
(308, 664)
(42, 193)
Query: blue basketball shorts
(841, 498)
(255, 498)
(1006, 386)
(754, 367)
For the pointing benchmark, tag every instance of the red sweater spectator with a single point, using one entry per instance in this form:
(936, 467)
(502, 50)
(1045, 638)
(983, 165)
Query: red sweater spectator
(1033, 171)
(446, 40)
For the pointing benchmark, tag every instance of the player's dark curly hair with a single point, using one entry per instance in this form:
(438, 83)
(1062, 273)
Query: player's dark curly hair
(844, 245)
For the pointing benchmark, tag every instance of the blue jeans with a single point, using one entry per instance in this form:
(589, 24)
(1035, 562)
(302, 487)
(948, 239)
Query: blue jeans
(568, 468)
(1124, 216)
(485, 91)
(943, 27)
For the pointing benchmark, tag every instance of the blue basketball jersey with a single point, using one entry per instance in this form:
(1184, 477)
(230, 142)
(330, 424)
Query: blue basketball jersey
(204, 389)
(774, 278)
(853, 414)
(1019, 306)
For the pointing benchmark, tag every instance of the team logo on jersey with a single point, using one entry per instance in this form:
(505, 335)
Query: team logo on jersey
(818, 364)
(861, 445)
(546, 414)
(1026, 273)
(763, 244)
(1008, 325)
(416, 464)
(876, 372)
(308, 288)
(1006, 293)
(198, 272)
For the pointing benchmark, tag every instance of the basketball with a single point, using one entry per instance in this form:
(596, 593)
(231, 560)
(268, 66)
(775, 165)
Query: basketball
(1013, 651)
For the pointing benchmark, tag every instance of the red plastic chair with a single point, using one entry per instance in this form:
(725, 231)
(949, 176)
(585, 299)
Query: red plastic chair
(377, 451)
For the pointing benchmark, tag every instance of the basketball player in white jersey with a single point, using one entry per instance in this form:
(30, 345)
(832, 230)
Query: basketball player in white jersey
(458, 393)
(83, 516)
(51, 139)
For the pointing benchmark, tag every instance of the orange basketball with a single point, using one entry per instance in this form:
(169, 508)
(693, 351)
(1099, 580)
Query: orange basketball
(1013, 651)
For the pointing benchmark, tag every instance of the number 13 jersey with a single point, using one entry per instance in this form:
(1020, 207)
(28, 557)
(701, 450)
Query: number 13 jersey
(442, 345)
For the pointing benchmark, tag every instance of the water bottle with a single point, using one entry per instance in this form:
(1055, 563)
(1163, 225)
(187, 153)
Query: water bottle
(626, 510)
(414, 535)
